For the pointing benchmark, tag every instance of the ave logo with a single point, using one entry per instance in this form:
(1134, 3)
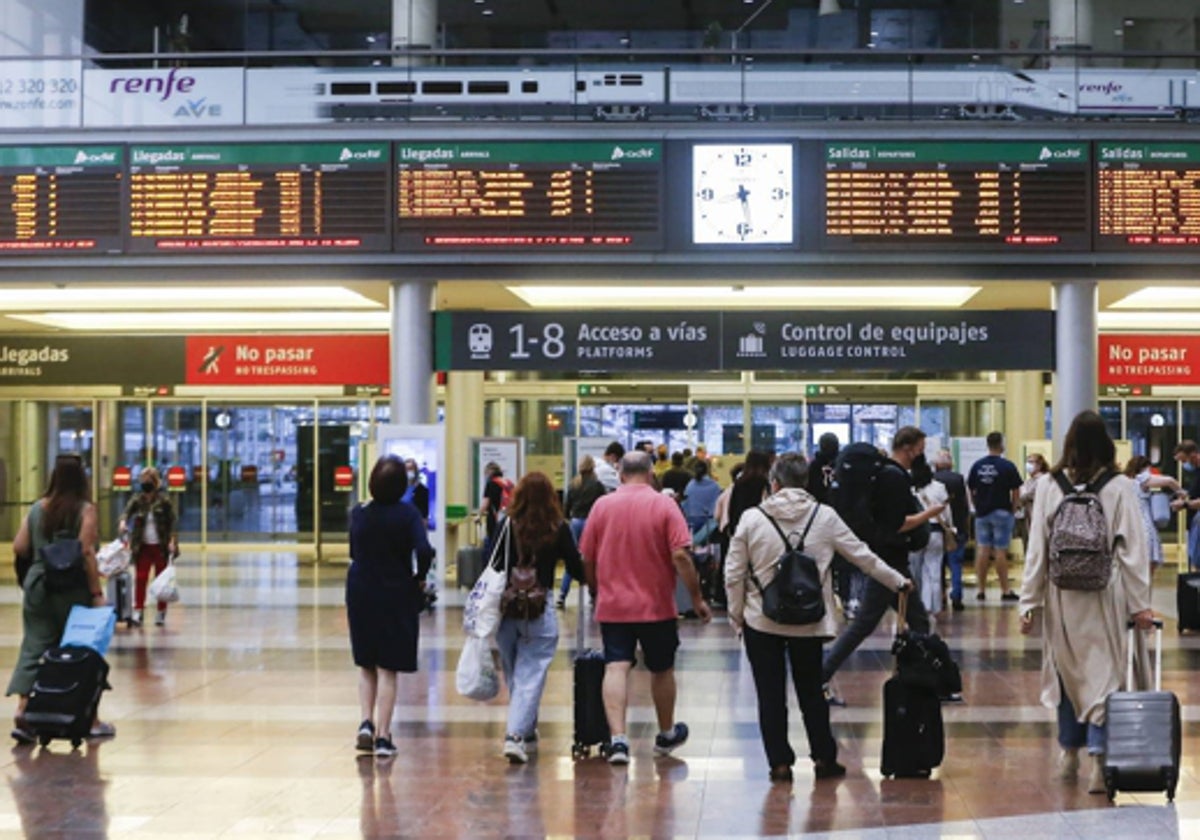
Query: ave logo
(198, 109)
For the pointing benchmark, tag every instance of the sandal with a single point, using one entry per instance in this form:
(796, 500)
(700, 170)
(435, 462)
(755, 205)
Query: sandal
(102, 730)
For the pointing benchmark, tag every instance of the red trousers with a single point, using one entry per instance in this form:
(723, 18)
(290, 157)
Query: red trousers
(148, 556)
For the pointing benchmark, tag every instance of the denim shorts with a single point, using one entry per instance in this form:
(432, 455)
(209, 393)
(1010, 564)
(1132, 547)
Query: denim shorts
(995, 529)
(659, 640)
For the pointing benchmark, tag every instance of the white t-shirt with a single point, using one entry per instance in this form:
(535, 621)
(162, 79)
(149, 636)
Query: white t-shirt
(150, 532)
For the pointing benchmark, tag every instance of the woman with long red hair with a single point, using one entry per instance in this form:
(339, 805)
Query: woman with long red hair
(537, 536)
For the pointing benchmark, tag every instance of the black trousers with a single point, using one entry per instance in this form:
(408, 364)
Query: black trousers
(877, 600)
(769, 657)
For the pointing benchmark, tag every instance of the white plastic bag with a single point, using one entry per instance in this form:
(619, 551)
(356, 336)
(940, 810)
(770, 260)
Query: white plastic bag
(476, 675)
(113, 558)
(163, 587)
(481, 613)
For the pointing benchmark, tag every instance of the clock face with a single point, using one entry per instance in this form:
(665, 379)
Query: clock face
(742, 194)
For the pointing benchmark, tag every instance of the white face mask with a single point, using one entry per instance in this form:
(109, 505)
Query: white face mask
(1030, 466)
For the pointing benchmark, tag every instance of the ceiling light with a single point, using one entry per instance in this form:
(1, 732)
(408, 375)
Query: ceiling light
(1159, 297)
(709, 297)
(210, 321)
(1119, 321)
(126, 298)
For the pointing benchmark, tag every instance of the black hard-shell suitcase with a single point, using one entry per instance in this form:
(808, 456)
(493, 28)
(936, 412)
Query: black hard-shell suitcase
(120, 596)
(66, 694)
(469, 559)
(591, 724)
(914, 739)
(1143, 734)
(1187, 600)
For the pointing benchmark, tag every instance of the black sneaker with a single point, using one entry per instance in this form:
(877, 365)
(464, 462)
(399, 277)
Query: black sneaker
(957, 605)
(665, 744)
(1010, 596)
(365, 741)
(617, 753)
(828, 770)
(981, 596)
(384, 748)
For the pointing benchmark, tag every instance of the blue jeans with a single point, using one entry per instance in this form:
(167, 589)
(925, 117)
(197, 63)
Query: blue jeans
(577, 533)
(955, 559)
(526, 649)
(1071, 733)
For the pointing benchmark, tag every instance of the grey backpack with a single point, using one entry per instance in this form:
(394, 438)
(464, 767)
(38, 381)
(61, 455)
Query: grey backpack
(1080, 547)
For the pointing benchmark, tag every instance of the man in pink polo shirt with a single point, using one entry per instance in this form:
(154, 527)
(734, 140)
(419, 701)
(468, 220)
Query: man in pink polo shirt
(635, 543)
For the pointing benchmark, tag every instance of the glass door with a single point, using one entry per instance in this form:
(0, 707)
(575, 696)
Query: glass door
(178, 443)
(252, 457)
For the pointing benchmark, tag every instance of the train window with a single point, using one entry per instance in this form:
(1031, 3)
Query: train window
(529, 87)
(580, 86)
(441, 87)
(631, 80)
(609, 79)
(350, 88)
(487, 87)
(396, 87)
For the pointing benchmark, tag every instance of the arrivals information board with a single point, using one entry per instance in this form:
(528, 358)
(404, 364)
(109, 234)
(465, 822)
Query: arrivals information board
(536, 195)
(969, 195)
(319, 196)
(58, 199)
(1148, 195)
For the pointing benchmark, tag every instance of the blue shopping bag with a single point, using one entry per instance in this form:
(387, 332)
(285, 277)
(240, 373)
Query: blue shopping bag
(90, 627)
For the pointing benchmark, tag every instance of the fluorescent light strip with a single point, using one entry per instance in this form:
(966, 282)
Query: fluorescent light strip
(149, 297)
(834, 295)
(1161, 297)
(1116, 321)
(210, 321)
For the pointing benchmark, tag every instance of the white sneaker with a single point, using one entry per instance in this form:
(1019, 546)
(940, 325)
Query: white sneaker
(135, 618)
(161, 618)
(514, 750)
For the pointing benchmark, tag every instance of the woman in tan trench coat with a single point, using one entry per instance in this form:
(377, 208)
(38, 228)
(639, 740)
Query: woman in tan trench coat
(1084, 632)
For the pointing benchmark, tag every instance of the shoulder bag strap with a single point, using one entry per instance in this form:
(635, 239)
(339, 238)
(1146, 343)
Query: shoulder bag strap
(501, 547)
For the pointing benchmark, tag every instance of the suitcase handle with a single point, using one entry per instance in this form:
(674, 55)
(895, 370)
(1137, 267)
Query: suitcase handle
(38, 688)
(1158, 645)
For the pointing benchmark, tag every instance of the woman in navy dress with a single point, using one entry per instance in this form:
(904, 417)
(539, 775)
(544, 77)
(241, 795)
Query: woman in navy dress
(384, 597)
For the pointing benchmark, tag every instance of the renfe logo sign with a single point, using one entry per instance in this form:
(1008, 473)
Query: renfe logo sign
(1150, 359)
(166, 96)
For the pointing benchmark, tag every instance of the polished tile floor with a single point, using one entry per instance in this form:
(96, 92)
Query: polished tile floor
(237, 720)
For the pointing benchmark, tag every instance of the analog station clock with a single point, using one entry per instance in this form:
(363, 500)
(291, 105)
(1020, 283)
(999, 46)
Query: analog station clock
(742, 194)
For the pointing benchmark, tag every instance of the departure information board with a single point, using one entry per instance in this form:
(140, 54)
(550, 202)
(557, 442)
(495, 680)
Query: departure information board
(55, 199)
(1147, 195)
(537, 195)
(969, 195)
(320, 196)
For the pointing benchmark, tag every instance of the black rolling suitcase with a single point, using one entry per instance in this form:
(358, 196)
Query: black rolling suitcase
(1143, 735)
(1187, 600)
(469, 559)
(591, 724)
(914, 739)
(120, 596)
(66, 694)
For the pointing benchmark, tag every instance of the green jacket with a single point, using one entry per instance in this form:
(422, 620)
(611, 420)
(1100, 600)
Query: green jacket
(160, 507)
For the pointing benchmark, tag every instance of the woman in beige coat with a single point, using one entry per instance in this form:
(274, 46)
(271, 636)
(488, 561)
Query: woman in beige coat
(1084, 632)
(769, 646)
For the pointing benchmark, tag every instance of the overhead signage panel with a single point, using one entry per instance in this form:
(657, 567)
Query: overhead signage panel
(1148, 195)
(351, 360)
(811, 341)
(60, 199)
(1149, 359)
(970, 195)
(259, 197)
(537, 195)
(90, 360)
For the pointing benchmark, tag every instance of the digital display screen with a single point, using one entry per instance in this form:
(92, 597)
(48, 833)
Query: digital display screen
(1147, 195)
(60, 198)
(970, 195)
(535, 195)
(319, 196)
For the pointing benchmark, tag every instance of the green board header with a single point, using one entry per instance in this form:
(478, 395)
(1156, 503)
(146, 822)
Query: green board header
(1148, 152)
(278, 153)
(417, 154)
(31, 156)
(957, 152)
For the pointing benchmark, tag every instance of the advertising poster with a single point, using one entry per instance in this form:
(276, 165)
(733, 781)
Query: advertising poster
(425, 444)
(508, 453)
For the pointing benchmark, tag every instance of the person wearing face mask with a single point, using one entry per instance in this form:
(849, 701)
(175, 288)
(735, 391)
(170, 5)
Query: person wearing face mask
(1188, 456)
(1035, 468)
(416, 493)
(149, 520)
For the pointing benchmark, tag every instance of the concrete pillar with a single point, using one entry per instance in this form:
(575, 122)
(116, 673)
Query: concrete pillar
(464, 420)
(412, 351)
(414, 26)
(1075, 352)
(1070, 27)
(1024, 406)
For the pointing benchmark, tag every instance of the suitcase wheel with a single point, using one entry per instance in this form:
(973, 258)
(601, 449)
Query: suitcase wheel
(1111, 791)
(44, 740)
(579, 751)
(75, 743)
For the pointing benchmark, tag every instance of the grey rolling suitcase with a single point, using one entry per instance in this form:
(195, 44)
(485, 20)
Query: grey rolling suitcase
(1143, 733)
(469, 559)
(120, 595)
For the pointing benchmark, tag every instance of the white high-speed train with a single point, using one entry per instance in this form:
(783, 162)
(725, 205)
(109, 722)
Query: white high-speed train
(760, 91)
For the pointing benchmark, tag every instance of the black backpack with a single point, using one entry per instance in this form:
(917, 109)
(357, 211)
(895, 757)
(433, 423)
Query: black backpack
(794, 595)
(854, 474)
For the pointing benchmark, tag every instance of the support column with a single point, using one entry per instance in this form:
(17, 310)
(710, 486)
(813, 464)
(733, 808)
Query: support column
(1070, 27)
(464, 420)
(412, 351)
(1024, 407)
(414, 26)
(1075, 384)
